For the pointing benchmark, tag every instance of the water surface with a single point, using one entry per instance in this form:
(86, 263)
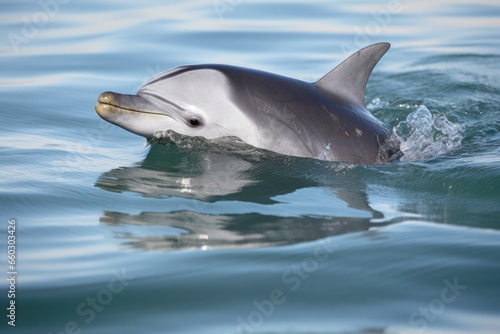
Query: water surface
(113, 237)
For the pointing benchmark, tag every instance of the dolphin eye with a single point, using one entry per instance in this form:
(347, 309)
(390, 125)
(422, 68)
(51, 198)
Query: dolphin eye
(194, 122)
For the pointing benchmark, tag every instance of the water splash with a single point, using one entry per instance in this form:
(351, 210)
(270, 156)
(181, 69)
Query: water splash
(425, 136)
(323, 155)
(223, 145)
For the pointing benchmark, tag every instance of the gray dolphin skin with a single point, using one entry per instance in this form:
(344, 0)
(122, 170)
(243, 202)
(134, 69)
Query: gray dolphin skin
(326, 119)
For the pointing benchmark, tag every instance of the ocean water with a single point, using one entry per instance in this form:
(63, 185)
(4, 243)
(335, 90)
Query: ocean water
(113, 237)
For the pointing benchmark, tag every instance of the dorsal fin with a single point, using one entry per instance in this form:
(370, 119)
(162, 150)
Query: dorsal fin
(348, 80)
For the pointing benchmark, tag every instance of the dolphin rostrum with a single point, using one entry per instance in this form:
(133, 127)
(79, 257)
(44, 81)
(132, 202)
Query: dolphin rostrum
(326, 119)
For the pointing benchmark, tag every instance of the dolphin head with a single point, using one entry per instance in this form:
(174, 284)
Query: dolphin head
(190, 100)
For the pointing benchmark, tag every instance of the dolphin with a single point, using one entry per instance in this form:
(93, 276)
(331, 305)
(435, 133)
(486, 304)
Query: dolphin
(326, 119)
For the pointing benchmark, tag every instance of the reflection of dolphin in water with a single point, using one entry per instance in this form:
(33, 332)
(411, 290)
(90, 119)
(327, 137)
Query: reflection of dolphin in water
(326, 119)
(209, 191)
(193, 230)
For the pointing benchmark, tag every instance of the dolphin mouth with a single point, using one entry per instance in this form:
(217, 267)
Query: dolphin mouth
(133, 113)
(110, 103)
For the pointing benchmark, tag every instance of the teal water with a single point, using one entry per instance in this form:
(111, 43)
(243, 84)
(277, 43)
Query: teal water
(113, 237)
